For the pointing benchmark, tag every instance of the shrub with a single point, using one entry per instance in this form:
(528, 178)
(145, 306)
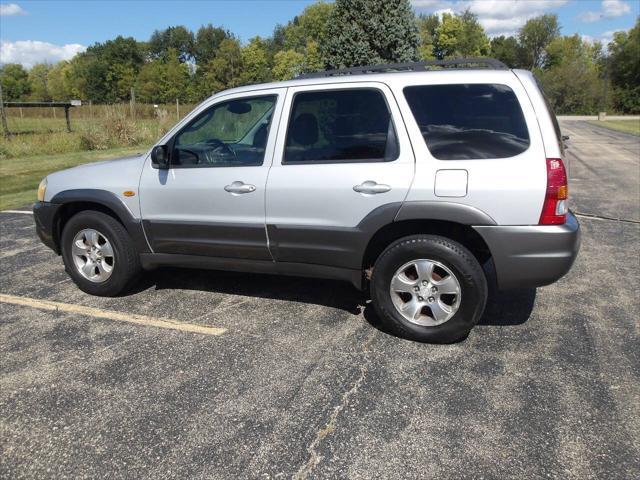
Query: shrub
(120, 130)
(94, 138)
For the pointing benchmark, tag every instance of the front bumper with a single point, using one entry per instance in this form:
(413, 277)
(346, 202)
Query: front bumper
(532, 255)
(45, 214)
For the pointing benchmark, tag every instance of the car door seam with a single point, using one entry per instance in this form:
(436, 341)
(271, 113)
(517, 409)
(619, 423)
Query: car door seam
(266, 182)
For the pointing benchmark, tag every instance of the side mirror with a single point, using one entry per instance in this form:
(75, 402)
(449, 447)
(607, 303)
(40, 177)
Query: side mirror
(160, 157)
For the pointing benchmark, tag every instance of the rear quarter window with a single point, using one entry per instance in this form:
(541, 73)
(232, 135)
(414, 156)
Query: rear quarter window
(469, 121)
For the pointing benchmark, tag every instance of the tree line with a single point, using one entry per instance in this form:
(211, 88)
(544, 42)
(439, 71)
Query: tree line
(579, 77)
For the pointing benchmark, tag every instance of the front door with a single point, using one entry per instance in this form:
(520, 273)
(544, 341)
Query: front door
(343, 165)
(211, 199)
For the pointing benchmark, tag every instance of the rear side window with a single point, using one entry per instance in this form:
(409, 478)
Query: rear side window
(469, 121)
(340, 126)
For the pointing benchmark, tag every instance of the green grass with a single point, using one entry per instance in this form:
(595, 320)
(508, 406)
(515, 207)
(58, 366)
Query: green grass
(19, 177)
(626, 126)
(31, 136)
(39, 146)
(37, 125)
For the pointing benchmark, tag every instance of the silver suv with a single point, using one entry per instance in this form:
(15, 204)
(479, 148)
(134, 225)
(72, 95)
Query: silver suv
(402, 179)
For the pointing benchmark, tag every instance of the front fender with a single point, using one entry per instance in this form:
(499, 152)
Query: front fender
(78, 199)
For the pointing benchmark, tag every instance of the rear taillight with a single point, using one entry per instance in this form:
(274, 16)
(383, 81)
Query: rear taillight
(554, 210)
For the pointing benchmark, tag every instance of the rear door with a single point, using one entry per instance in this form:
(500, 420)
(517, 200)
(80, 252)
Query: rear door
(342, 160)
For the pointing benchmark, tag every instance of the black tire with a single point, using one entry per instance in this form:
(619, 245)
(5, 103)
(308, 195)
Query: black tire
(126, 269)
(455, 257)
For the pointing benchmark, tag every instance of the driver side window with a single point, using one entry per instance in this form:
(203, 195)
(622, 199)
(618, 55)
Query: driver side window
(229, 134)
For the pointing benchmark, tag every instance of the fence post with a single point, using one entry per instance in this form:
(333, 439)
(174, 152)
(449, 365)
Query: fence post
(177, 109)
(3, 115)
(132, 103)
(66, 116)
(91, 109)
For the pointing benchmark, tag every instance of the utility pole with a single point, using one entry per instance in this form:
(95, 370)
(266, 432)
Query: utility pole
(606, 82)
(602, 113)
(3, 114)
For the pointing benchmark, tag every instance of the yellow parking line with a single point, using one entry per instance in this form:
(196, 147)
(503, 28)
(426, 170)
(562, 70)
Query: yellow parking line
(110, 315)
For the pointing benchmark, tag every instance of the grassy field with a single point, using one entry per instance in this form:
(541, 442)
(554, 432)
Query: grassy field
(19, 177)
(626, 126)
(39, 146)
(48, 136)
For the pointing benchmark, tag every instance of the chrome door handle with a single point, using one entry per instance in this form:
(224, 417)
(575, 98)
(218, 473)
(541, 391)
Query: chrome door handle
(371, 187)
(239, 187)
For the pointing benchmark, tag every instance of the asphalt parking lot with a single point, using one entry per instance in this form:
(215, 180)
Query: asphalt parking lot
(294, 377)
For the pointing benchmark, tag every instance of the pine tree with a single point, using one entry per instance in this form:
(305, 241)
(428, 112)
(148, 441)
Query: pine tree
(367, 32)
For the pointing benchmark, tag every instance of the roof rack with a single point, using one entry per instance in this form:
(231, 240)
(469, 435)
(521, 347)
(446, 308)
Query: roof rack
(459, 63)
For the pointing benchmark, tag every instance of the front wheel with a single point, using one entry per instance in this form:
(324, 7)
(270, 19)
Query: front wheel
(428, 288)
(98, 254)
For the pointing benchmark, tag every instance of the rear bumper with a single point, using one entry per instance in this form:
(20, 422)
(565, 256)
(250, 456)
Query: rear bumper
(532, 255)
(44, 214)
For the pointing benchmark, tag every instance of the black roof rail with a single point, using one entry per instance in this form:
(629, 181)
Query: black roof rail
(460, 63)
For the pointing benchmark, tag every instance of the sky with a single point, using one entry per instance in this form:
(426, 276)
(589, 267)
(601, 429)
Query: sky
(37, 31)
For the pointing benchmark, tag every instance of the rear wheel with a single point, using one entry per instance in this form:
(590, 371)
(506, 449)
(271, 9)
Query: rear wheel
(428, 288)
(99, 254)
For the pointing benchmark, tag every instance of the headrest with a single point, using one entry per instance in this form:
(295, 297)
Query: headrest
(305, 129)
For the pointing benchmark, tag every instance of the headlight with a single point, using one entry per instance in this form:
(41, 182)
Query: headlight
(41, 189)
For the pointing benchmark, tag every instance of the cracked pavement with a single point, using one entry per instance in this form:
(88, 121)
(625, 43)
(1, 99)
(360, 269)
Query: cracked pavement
(304, 384)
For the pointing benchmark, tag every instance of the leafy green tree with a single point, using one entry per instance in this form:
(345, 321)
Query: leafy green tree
(95, 87)
(149, 82)
(310, 25)
(15, 82)
(570, 78)
(624, 69)
(365, 32)
(287, 64)
(164, 81)
(427, 26)
(176, 79)
(276, 42)
(108, 70)
(224, 71)
(207, 42)
(39, 82)
(304, 35)
(60, 82)
(507, 50)
(535, 36)
(255, 61)
(179, 39)
(76, 80)
(313, 61)
(460, 35)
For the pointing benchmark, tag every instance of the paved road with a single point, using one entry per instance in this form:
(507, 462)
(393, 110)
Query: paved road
(605, 176)
(304, 383)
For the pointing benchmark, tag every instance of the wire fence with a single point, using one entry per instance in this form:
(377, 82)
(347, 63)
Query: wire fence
(146, 120)
(88, 110)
